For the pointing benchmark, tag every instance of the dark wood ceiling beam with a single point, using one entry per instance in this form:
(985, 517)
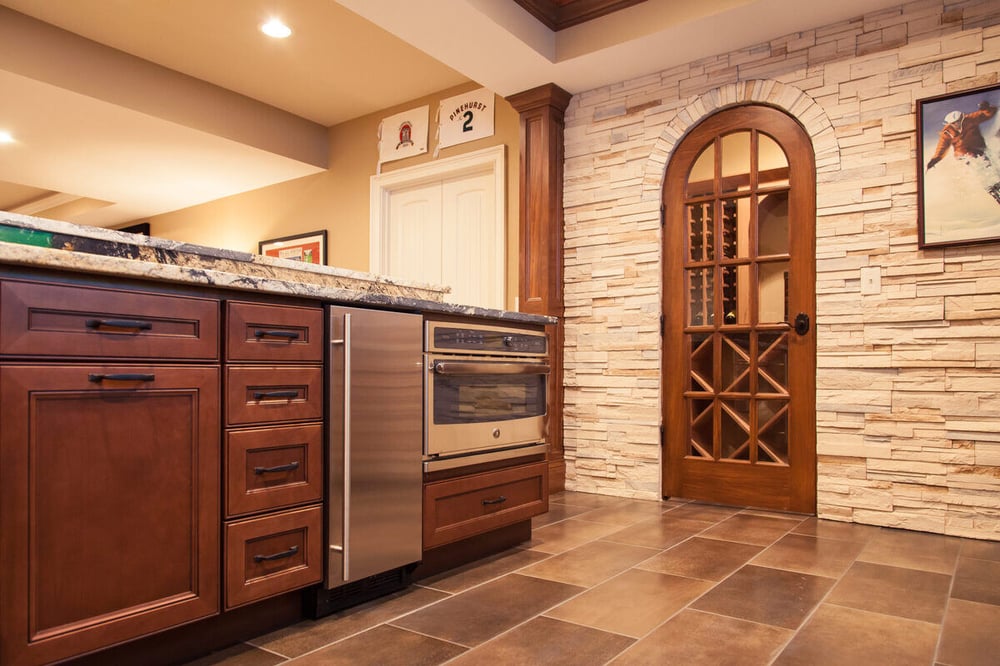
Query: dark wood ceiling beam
(557, 15)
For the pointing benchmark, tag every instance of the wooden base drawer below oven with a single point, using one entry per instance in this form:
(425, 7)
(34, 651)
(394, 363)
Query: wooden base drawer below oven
(273, 554)
(456, 509)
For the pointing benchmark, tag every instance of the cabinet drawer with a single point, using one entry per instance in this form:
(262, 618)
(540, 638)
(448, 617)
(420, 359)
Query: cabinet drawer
(275, 333)
(273, 468)
(268, 394)
(59, 320)
(273, 554)
(459, 508)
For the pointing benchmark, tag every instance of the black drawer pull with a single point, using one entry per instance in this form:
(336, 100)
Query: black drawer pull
(279, 468)
(291, 335)
(264, 395)
(277, 556)
(499, 500)
(120, 323)
(121, 377)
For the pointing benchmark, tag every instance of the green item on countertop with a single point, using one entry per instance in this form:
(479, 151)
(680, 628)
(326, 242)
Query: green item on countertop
(9, 234)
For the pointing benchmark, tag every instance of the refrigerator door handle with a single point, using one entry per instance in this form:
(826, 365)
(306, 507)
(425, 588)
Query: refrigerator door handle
(347, 446)
(345, 507)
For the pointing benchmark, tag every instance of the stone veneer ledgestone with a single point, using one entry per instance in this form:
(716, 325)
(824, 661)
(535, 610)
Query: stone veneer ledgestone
(908, 380)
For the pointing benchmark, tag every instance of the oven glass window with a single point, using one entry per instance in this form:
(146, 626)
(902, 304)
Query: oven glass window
(484, 398)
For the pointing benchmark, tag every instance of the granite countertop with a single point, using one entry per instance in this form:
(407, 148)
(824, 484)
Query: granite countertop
(41, 243)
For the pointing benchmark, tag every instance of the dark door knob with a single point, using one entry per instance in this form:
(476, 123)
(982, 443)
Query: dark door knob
(802, 323)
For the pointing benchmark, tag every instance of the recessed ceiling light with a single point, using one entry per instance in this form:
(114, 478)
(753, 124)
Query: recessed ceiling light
(275, 28)
(6, 137)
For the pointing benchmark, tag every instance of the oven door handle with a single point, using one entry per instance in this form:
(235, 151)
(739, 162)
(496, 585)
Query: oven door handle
(486, 368)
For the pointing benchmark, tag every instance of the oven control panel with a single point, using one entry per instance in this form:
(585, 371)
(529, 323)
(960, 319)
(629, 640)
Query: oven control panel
(482, 339)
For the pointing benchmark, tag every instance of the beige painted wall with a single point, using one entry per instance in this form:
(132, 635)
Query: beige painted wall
(337, 200)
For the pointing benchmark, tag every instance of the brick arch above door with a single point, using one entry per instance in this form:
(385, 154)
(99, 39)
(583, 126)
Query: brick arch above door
(788, 98)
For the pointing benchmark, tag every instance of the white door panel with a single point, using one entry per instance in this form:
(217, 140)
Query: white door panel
(414, 235)
(443, 223)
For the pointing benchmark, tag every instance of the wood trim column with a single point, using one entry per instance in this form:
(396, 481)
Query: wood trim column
(540, 276)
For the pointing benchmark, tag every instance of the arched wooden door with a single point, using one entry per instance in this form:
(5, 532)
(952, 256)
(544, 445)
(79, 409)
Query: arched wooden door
(739, 378)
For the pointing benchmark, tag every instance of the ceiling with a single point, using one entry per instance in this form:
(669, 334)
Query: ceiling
(122, 110)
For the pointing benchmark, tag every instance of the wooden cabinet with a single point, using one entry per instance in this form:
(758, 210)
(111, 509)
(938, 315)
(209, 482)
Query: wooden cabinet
(274, 450)
(463, 507)
(57, 321)
(109, 473)
(273, 553)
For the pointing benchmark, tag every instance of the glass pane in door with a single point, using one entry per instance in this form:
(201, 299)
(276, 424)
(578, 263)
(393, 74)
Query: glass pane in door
(772, 283)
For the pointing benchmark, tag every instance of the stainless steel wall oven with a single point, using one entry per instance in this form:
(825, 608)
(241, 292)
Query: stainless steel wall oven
(484, 392)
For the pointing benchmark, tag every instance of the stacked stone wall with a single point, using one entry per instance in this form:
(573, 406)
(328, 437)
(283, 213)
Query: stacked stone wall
(908, 380)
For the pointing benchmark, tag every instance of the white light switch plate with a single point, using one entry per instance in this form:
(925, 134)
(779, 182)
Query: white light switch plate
(871, 280)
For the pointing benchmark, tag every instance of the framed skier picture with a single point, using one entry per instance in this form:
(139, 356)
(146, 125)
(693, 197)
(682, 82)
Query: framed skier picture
(958, 173)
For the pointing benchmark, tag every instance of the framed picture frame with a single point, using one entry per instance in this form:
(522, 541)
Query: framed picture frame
(308, 248)
(958, 172)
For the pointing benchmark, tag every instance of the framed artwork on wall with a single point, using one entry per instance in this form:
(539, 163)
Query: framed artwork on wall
(958, 176)
(308, 248)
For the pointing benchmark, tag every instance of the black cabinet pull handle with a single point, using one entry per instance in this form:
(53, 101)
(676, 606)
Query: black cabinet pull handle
(120, 323)
(291, 335)
(263, 395)
(499, 500)
(97, 378)
(277, 556)
(279, 468)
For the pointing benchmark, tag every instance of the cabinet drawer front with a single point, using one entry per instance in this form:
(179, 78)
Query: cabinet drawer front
(58, 320)
(273, 394)
(273, 333)
(273, 468)
(273, 554)
(459, 508)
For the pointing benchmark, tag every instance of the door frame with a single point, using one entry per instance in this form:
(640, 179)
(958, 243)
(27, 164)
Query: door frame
(488, 160)
(802, 487)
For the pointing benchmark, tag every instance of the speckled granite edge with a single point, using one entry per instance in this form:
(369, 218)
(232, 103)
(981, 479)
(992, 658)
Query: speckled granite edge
(373, 291)
(76, 239)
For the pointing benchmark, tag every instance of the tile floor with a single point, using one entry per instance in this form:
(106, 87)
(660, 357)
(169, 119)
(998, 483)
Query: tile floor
(616, 581)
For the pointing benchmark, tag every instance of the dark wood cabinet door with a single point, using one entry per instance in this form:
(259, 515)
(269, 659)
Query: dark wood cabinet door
(109, 502)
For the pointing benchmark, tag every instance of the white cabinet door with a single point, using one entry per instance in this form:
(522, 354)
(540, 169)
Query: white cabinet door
(447, 233)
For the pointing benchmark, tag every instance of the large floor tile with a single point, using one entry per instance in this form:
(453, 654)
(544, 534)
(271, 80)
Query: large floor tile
(659, 532)
(558, 512)
(591, 563)
(631, 604)
(549, 642)
(981, 550)
(770, 596)
(480, 571)
(977, 580)
(474, 616)
(693, 638)
(631, 512)
(832, 529)
(588, 500)
(812, 555)
(239, 655)
(712, 513)
(383, 646)
(909, 593)
(970, 635)
(312, 634)
(707, 559)
(836, 636)
(749, 528)
(913, 550)
(566, 534)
